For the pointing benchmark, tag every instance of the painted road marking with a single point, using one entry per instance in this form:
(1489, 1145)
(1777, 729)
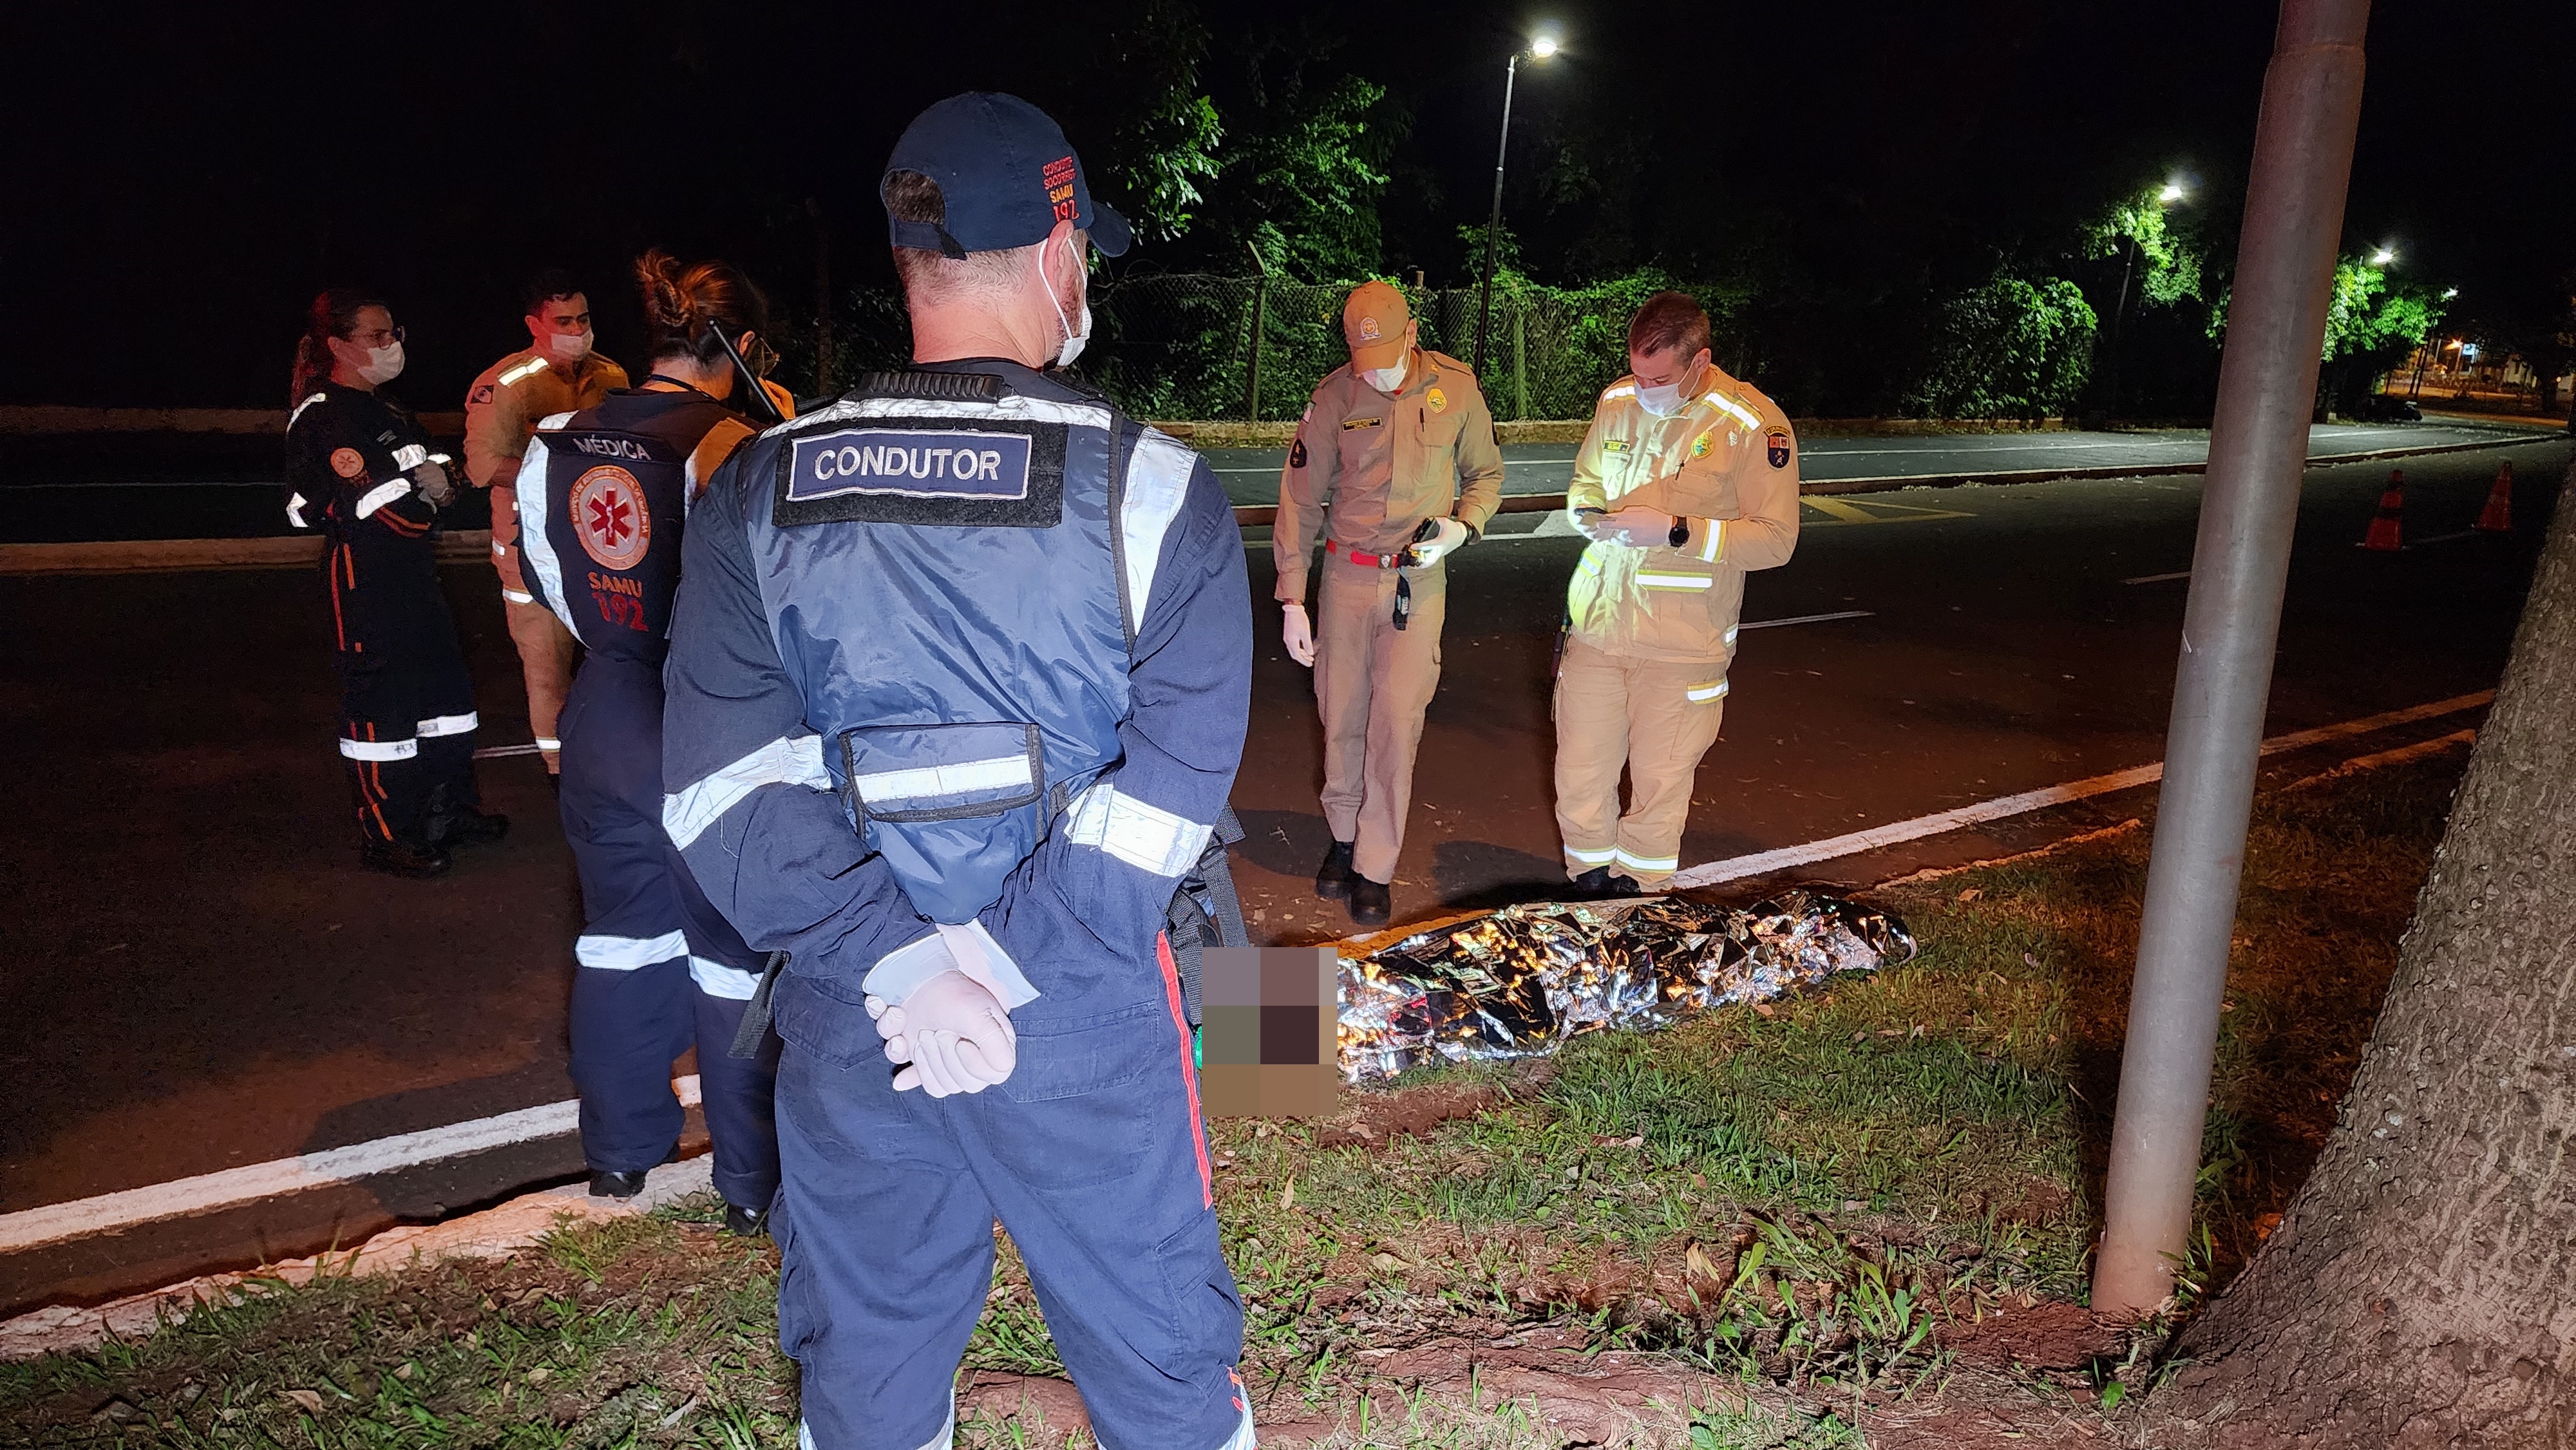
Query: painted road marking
(1805, 619)
(1275, 469)
(1762, 863)
(1876, 511)
(2158, 578)
(2399, 756)
(54, 1223)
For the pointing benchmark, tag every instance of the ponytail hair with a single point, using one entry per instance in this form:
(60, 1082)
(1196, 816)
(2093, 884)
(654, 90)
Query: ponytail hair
(333, 314)
(680, 302)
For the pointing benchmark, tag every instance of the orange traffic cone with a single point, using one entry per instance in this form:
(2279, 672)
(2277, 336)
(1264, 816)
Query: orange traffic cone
(2384, 529)
(2497, 517)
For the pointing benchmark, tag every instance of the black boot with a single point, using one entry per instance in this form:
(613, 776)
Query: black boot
(604, 1184)
(402, 858)
(1624, 886)
(746, 1223)
(1595, 882)
(1371, 902)
(446, 823)
(1333, 879)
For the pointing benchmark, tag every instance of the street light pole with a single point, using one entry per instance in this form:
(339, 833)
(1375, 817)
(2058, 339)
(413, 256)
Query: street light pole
(2119, 315)
(2267, 387)
(1494, 223)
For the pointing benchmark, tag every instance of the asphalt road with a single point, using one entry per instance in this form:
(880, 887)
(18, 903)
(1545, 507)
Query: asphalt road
(166, 486)
(1251, 475)
(203, 978)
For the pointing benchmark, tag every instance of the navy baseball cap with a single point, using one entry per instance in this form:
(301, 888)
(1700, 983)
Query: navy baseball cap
(1007, 174)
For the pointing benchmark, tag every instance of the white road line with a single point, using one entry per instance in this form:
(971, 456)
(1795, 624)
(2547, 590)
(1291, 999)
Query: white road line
(2158, 578)
(1762, 863)
(2399, 756)
(1805, 619)
(1275, 469)
(83, 1217)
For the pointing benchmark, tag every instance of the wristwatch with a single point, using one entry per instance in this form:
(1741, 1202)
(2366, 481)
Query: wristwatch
(1680, 536)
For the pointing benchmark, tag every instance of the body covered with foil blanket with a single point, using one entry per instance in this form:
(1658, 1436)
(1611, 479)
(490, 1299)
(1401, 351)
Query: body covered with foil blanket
(1521, 981)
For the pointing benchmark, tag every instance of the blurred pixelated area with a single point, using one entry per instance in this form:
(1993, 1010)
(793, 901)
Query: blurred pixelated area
(1267, 1030)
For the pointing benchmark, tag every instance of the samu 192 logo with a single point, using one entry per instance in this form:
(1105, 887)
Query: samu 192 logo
(609, 516)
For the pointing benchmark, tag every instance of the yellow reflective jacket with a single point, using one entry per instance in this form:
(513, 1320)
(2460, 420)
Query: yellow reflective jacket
(1726, 462)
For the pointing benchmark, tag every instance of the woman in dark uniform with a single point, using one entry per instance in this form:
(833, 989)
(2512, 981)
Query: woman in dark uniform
(355, 458)
(604, 494)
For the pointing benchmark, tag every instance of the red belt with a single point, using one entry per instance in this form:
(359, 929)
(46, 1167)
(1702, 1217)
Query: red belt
(1365, 560)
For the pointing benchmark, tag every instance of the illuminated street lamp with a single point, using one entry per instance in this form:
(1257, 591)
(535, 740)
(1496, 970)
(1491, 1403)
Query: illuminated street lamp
(1541, 46)
(2385, 255)
(2173, 192)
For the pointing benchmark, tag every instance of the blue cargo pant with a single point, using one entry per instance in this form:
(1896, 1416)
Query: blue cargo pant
(661, 969)
(1091, 1155)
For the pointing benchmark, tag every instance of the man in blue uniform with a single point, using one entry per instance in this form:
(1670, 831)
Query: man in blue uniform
(957, 690)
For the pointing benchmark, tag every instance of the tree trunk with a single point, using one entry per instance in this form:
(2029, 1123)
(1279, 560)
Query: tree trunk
(2421, 1291)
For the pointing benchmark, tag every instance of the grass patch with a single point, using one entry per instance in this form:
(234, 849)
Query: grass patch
(1794, 1202)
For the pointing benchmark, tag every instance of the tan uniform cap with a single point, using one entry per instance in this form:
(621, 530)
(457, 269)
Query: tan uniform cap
(1373, 321)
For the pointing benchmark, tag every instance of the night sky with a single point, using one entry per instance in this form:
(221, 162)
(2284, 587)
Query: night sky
(186, 177)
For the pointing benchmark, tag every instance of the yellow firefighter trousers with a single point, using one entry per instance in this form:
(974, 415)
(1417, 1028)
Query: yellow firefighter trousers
(1372, 684)
(545, 646)
(1654, 717)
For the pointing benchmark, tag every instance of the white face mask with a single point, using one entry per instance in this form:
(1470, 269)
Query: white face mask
(1074, 337)
(1386, 380)
(383, 364)
(1663, 402)
(569, 347)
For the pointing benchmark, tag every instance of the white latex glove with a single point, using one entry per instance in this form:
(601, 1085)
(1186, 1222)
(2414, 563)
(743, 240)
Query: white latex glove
(1298, 634)
(433, 483)
(1636, 526)
(1447, 534)
(950, 1036)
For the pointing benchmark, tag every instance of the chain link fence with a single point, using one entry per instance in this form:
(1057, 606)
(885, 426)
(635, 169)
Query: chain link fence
(1203, 346)
(1219, 348)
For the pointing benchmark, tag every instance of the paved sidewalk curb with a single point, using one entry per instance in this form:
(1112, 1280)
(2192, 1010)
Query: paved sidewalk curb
(493, 1233)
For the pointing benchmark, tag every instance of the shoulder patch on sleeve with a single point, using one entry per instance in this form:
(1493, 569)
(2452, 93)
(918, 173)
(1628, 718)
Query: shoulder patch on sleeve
(348, 463)
(482, 394)
(1778, 439)
(1297, 452)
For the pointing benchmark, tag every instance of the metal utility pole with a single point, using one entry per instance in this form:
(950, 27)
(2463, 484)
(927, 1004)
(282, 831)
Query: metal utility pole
(2267, 386)
(1252, 350)
(1494, 223)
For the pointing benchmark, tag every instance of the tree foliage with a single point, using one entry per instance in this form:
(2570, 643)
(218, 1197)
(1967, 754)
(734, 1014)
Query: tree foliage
(1169, 146)
(2008, 349)
(2169, 265)
(2367, 314)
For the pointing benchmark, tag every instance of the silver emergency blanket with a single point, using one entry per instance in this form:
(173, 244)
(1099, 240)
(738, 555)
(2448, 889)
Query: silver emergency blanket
(1520, 982)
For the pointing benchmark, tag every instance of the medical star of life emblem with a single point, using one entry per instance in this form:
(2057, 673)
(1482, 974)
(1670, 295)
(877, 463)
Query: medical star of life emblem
(609, 516)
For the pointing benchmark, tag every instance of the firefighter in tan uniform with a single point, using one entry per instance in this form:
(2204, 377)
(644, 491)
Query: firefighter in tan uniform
(558, 372)
(1400, 446)
(1687, 480)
